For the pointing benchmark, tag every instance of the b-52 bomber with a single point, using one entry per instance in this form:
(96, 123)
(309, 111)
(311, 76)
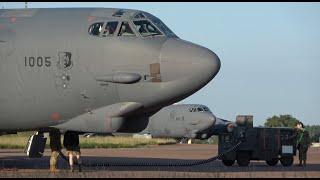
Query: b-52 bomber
(94, 70)
(186, 121)
(183, 122)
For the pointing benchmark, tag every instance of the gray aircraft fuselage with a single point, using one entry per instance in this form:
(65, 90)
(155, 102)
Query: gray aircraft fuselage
(57, 70)
(186, 121)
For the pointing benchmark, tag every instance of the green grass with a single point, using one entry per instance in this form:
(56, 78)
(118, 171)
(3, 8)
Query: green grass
(121, 142)
(19, 141)
(13, 141)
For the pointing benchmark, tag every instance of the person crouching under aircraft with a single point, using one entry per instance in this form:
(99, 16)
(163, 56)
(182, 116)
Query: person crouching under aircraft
(71, 143)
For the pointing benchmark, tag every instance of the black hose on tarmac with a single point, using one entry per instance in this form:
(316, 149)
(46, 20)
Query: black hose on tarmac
(169, 164)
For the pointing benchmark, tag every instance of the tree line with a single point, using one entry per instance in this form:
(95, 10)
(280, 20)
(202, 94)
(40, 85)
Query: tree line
(290, 121)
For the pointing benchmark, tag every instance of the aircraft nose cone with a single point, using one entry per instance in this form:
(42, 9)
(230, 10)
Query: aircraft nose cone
(211, 120)
(181, 59)
(210, 63)
(184, 69)
(208, 120)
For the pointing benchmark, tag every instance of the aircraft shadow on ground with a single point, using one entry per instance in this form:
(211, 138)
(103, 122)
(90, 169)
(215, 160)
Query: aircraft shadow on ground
(19, 162)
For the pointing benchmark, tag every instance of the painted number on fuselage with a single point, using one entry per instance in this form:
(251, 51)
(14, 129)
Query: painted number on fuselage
(37, 61)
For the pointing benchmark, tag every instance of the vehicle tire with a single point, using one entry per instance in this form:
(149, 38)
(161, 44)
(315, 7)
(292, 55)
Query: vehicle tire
(286, 160)
(228, 162)
(243, 158)
(184, 141)
(272, 162)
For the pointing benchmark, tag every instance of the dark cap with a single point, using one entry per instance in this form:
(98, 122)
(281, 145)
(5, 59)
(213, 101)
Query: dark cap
(299, 122)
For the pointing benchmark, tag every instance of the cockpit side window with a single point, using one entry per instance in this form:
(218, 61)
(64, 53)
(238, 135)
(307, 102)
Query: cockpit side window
(206, 109)
(95, 29)
(199, 109)
(125, 30)
(110, 28)
(145, 28)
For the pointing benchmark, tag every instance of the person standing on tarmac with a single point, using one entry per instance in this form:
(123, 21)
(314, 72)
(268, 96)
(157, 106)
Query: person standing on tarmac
(303, 143)
(71, 143)
(55, 145)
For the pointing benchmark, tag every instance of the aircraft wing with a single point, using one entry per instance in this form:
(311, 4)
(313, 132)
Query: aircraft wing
(107, 119)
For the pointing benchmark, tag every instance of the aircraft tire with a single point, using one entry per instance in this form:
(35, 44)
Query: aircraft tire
(243, 158)
(286, 160)
(228, 162)
(272, 162)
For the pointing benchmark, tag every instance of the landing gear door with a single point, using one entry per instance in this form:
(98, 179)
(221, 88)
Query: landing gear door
(35, 146)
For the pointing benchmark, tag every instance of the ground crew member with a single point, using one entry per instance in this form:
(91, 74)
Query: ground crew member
(71, 143)
(303, 143)
(55, 145)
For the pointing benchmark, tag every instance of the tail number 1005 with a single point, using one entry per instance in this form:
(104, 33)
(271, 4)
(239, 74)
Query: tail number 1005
(37, 61)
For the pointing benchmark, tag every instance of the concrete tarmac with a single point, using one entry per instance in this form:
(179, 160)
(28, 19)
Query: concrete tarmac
(14, 163)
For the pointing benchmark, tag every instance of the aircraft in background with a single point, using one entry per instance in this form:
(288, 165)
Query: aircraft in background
(98, 70)
(184, 122)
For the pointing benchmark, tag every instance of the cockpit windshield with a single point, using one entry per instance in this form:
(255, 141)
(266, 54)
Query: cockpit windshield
(155, 21)
(145, 28)
(199, 109)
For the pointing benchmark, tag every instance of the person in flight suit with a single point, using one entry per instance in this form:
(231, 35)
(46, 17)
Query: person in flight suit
(303, 142)
(55, 145)
(71, 143)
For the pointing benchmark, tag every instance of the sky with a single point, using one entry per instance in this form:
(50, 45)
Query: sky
(269, 52)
